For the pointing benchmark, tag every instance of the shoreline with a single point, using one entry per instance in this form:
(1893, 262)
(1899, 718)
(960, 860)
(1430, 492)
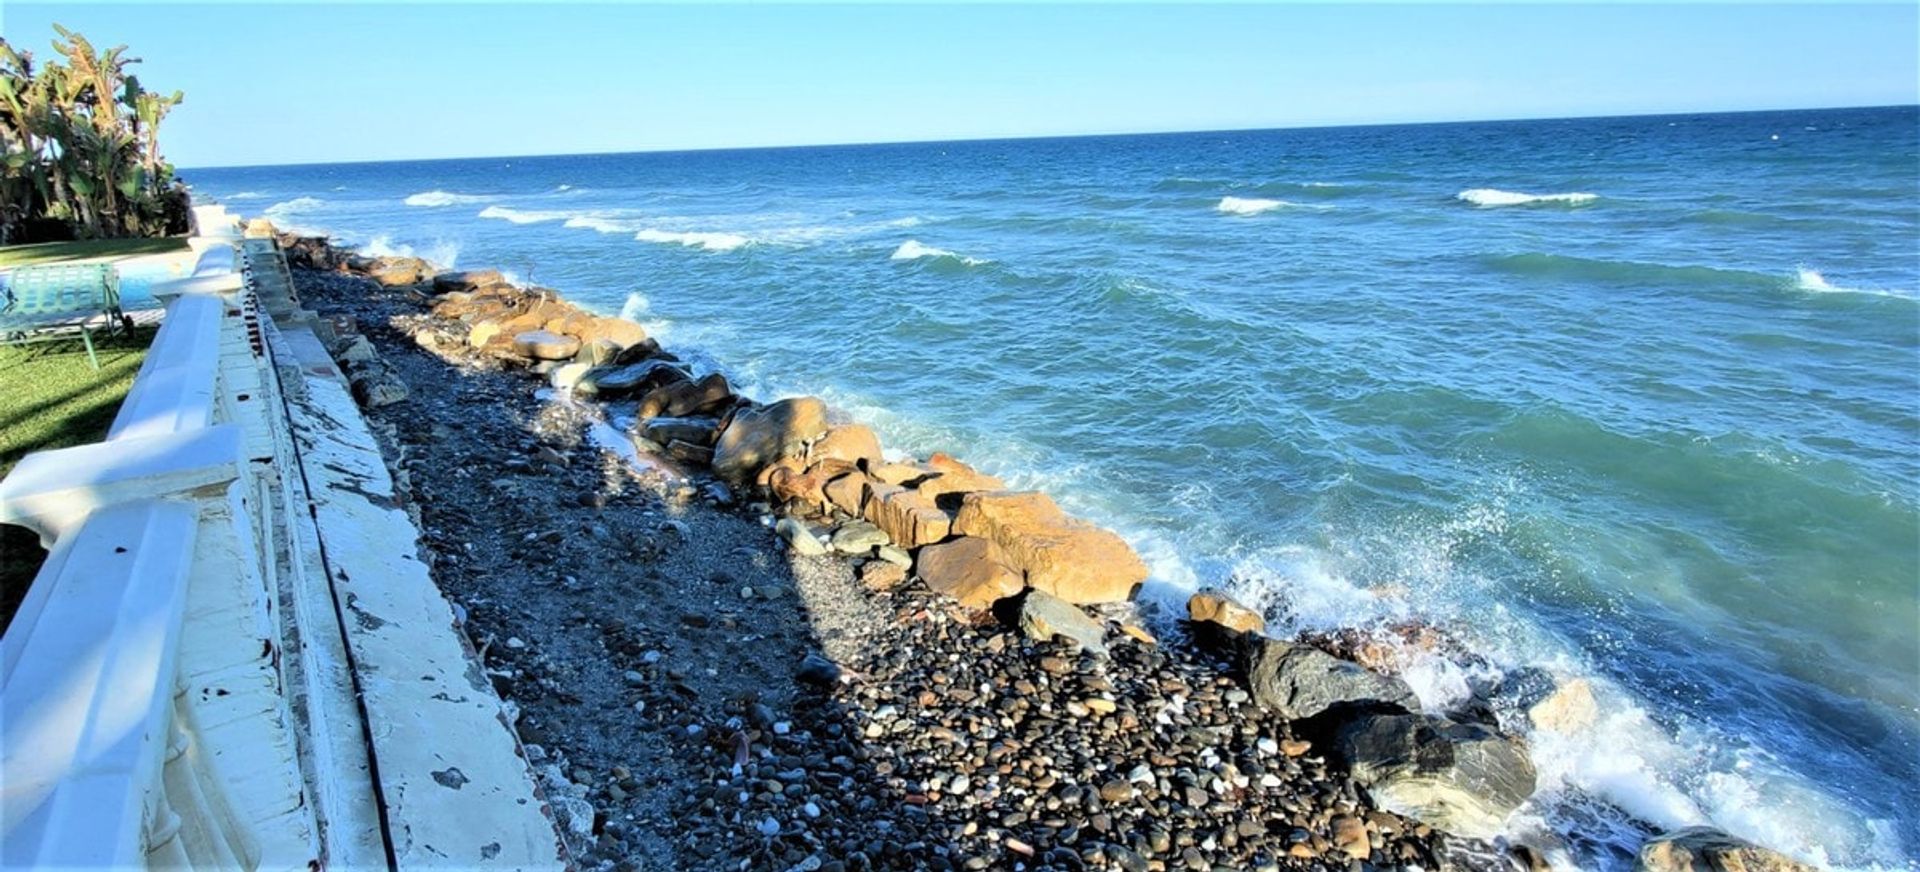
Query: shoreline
(985, 551)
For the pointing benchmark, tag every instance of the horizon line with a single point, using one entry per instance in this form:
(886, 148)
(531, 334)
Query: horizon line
(1045, 137)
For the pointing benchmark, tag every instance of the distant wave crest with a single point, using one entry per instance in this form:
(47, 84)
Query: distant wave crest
(521, 216)
(708, 241)
(1485, 197)
(913, 249)
(247, 195)
(1813, 282)
(442, 198)
(1249, 205)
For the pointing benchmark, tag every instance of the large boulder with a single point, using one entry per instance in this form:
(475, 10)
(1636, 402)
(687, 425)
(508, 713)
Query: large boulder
(467, 281)
(1704, 849)
(694, 431)
(853, 443)
(398, 271)
(759, 436)
(1044, 616)
(848, 493)
(790, 484)
(1069, 558)
(950, 476)
(542, 345)
(1465, 779)
(618, 331)
(1298, 681)
(907, 515)
(679, 399)
(969, 570)
(632, 378)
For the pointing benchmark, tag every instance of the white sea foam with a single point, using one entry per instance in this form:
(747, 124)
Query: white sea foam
(1813, 282)
(913, 249)
(521, 216)
(442, 198)
(441, 254)
(602, 224)
(297, 204)
(247, 195)
(1485, 197)
(1249, 205)
(708, 241)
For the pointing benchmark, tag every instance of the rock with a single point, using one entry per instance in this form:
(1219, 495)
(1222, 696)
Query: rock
(1071, 559)
(357, 350)
(694, 431)
(1568, 709)
(1298, 681)
(597, 352)
(756, 437)
(688, 452)
(1462, 778)
(808, 487)
(683, 398)
(852, 443)
(799, 538)
(631, 378)
(467, 280)
(1350, 836)
(1705, 849)
(618, 332)
(818, 671)
(879, 575)
(1044, 616)
(909, 517)
(565, 377)
(848, 493)
(482, 333)
(1215, 607)
(950, 476)
(895, 473)
(543, 345)
(858, 537)
(398, 271)
(575, 815)
(969, 570)
(379, 390)
(895, 555)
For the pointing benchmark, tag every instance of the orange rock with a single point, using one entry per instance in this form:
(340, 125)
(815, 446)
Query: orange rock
(545, 345)
(848, 493)
(1071, 559)
(909, 517)
(681, 399)
(1214, 607)
(950, 476)
(879, 575)
(619, 331)
(849, 442)
(895, 473)
(968, 569)
(759, 436)
(807, 486)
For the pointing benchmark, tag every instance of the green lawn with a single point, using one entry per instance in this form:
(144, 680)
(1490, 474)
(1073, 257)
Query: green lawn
(52, 252)
(50, 398)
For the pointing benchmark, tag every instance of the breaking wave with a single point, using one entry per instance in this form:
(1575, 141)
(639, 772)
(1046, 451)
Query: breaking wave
(441, 254)
(1485, 197)
(521, 216)
(1249, 205)
(247, 195)
(913, 249)
(1811, 281)
(708, 241)
(442, 198)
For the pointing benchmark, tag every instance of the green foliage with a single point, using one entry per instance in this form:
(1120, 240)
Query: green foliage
(80, 149)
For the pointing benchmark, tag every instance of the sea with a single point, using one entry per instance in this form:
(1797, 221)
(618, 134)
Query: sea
(1635, 401)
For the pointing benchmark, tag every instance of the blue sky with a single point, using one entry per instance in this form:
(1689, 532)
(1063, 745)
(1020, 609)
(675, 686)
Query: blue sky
(300, 84)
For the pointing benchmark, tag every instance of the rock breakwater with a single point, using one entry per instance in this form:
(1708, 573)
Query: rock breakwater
(1001, 701)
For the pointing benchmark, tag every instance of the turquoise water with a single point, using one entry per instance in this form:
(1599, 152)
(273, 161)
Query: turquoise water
(1633, 399)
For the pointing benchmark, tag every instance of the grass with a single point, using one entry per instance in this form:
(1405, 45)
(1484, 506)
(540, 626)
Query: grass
(53, 252)
(51, 398)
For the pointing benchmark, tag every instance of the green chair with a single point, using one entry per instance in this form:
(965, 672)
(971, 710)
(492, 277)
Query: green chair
(49, 303)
